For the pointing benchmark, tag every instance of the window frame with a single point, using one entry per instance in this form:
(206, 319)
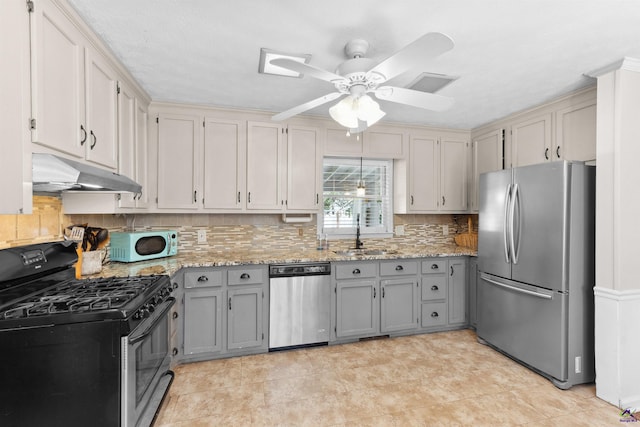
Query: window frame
(386, 230)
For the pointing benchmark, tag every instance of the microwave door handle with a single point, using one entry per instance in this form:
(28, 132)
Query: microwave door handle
(134, 338)
(505, 225)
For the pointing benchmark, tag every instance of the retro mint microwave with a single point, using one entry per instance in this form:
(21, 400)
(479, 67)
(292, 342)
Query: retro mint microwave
(132, 246)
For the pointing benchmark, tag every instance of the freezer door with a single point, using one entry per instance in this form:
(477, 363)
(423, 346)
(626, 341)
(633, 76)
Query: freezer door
(493, 254)
(540, 218)
(528, 323)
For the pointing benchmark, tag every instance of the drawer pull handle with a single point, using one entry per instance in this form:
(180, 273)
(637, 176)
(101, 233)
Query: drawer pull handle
(245, 276)
(399, 268)
(203, 279)
(434, 266)
(434, 288)
(434, 314)
(356, 271)
(175, 315)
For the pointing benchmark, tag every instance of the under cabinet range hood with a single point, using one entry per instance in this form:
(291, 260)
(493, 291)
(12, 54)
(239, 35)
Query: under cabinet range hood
(53, 174)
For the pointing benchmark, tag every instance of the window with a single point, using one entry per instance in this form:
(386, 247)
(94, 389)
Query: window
(342, 205)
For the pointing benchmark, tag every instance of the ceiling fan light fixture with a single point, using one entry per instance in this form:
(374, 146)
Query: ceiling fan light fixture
(350, 110)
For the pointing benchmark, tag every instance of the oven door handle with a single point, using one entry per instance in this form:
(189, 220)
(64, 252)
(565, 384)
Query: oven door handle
(135, 337)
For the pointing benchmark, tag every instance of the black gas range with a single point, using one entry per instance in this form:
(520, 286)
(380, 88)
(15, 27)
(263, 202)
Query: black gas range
(79, 352)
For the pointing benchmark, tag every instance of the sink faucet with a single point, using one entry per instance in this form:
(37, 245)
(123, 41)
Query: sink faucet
(359, 243)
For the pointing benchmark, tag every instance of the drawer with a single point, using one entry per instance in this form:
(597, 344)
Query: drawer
(247, 276)
(398, 268)
(202, 278)
(355, 270)
(434, 287)
(434, 266)
(434, 314)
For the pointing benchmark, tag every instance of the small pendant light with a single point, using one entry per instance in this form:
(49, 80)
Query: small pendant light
(360, 191)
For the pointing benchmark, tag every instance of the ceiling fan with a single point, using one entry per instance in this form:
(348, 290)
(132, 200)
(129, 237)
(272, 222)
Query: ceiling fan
(359, 76)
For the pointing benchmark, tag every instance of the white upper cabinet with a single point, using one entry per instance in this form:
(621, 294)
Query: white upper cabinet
(531, 141)
(576, 132)
(101, 111)
(487, 157)
(434, 178)
(265, 161)
(304, 169)
(58, 94)
(178, 168)
(381, 142)
(15, 106)
(74, 90)
(224, 164)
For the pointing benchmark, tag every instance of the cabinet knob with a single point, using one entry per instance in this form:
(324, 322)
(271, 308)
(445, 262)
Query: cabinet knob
(203, 278)
(356, 271)
(399, 268)
(174, 351)
(175, 315)
(434, 314)
(245, 276)
(434, 288)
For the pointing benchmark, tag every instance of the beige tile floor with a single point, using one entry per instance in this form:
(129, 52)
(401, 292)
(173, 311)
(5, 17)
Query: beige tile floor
(442, 379)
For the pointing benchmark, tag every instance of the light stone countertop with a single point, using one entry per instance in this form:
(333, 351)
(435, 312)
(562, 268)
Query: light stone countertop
(171, 265)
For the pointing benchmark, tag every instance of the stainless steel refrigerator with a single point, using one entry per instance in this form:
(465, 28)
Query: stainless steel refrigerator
(536, 258)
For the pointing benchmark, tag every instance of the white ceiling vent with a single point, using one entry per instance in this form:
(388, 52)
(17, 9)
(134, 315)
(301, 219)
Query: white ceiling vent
(430, 82)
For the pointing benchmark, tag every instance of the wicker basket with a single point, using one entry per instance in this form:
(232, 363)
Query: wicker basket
(468, 239)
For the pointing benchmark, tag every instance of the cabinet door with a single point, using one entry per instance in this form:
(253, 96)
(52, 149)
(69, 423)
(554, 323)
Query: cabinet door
(15, 109)
(202, 321)
(142, 154)
(179, 140)
(101, 111)
(357, 308)
(244, 318)
(127, 141)
(457, 312)
(224, 171)
(424, 170)
(57, 66)
(264, 166)
(454, 172)
(576, 132)
(304, 162)
(398, 305)
(531, 141)
(487, 157)
(386, 144)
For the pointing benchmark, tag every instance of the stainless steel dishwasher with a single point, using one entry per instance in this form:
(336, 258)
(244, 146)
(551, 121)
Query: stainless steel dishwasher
(299, 304)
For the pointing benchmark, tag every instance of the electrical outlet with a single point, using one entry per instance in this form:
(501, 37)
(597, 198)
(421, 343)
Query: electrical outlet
(399, 230)
(578, 364)
(202, 236)
(445, 230)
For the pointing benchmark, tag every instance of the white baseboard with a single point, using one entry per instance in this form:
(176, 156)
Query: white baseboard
(617, 346)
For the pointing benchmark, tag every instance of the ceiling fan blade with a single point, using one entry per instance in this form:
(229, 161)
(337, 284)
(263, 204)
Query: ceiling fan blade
(307, 69)
(413, 55)
(306, 106)
(415, 98)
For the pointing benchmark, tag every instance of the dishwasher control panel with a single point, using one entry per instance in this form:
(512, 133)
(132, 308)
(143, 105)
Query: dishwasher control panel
(300, 269)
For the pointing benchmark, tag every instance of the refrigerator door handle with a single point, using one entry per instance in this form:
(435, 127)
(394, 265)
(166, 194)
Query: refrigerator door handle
(486, 278)
(515, 200)
(505, 226)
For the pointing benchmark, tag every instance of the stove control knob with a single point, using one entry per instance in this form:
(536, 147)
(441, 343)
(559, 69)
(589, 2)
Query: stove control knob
(150, 307)
(143, 313)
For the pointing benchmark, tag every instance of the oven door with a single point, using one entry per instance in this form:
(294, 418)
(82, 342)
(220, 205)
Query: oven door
(145, 360)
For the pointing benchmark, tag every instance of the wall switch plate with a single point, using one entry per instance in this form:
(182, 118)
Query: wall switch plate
(202, 236)
(399, 230)
(445, 230)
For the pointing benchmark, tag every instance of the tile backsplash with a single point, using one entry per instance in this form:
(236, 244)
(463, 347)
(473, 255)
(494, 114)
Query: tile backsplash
(224, 231)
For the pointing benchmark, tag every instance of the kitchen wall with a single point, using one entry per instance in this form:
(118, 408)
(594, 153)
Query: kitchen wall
(224, 232)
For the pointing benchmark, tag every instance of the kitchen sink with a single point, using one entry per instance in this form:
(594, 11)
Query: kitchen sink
(364, 252)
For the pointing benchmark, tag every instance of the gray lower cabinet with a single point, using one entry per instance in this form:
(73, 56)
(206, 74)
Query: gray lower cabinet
(457, 299)
(398, 296)
(221, 312)
(444, 292)
(357, 307)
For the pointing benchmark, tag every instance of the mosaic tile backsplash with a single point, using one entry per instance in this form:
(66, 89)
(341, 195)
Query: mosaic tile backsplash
(224, 232)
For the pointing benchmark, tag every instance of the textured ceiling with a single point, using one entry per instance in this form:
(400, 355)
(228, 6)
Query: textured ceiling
(509, 54)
